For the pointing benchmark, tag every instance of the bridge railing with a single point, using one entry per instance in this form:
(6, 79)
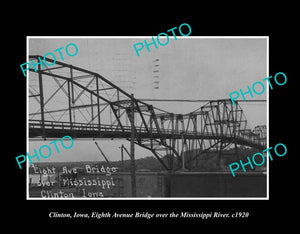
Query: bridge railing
(104, 127)
(37, 124)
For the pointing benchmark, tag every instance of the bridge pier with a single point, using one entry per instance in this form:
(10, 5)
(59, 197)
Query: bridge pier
(132, 152)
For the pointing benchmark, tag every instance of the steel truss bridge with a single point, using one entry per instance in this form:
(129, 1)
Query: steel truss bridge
(68, 100)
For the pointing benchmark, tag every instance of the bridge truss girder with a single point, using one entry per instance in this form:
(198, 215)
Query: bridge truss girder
(68, 100)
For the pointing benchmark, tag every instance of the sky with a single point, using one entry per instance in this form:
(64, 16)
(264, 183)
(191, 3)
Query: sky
(187, 68)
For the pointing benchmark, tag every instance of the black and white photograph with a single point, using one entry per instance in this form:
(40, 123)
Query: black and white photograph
(148, 117)
(142, 121)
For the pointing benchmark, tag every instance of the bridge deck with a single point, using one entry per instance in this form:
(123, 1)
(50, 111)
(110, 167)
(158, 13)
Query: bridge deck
(53, 129)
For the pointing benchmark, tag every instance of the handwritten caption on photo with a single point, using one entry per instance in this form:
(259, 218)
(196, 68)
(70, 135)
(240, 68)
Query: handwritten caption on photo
(69, 182)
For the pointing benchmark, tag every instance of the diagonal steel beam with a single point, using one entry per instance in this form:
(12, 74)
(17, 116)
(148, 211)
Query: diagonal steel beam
(78, 96)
